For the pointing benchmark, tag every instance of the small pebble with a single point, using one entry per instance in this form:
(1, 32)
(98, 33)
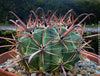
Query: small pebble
(87, 60)
(86, 75)
(98, 67)
(0, 66)
(88, 69)
(92, 71)
(9, 60)
(33, 74)
(83, 72)
(70, 74)
(97, 72)
(94, 62)
(10, 69)
(79, 74)
(75, 72)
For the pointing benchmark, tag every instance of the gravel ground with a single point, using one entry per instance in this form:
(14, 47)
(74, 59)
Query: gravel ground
(84, 67)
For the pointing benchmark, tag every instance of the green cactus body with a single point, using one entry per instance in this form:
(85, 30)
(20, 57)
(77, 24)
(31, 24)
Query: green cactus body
(28, 45)
(45, 44)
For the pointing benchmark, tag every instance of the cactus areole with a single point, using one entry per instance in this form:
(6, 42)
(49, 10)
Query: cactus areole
(49, 43)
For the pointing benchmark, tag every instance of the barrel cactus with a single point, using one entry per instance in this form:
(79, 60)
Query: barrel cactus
(49, 43)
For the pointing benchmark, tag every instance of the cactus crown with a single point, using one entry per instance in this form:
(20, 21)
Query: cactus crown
(49, 43)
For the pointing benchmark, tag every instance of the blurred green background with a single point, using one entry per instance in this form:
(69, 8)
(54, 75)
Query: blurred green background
(22, 8)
